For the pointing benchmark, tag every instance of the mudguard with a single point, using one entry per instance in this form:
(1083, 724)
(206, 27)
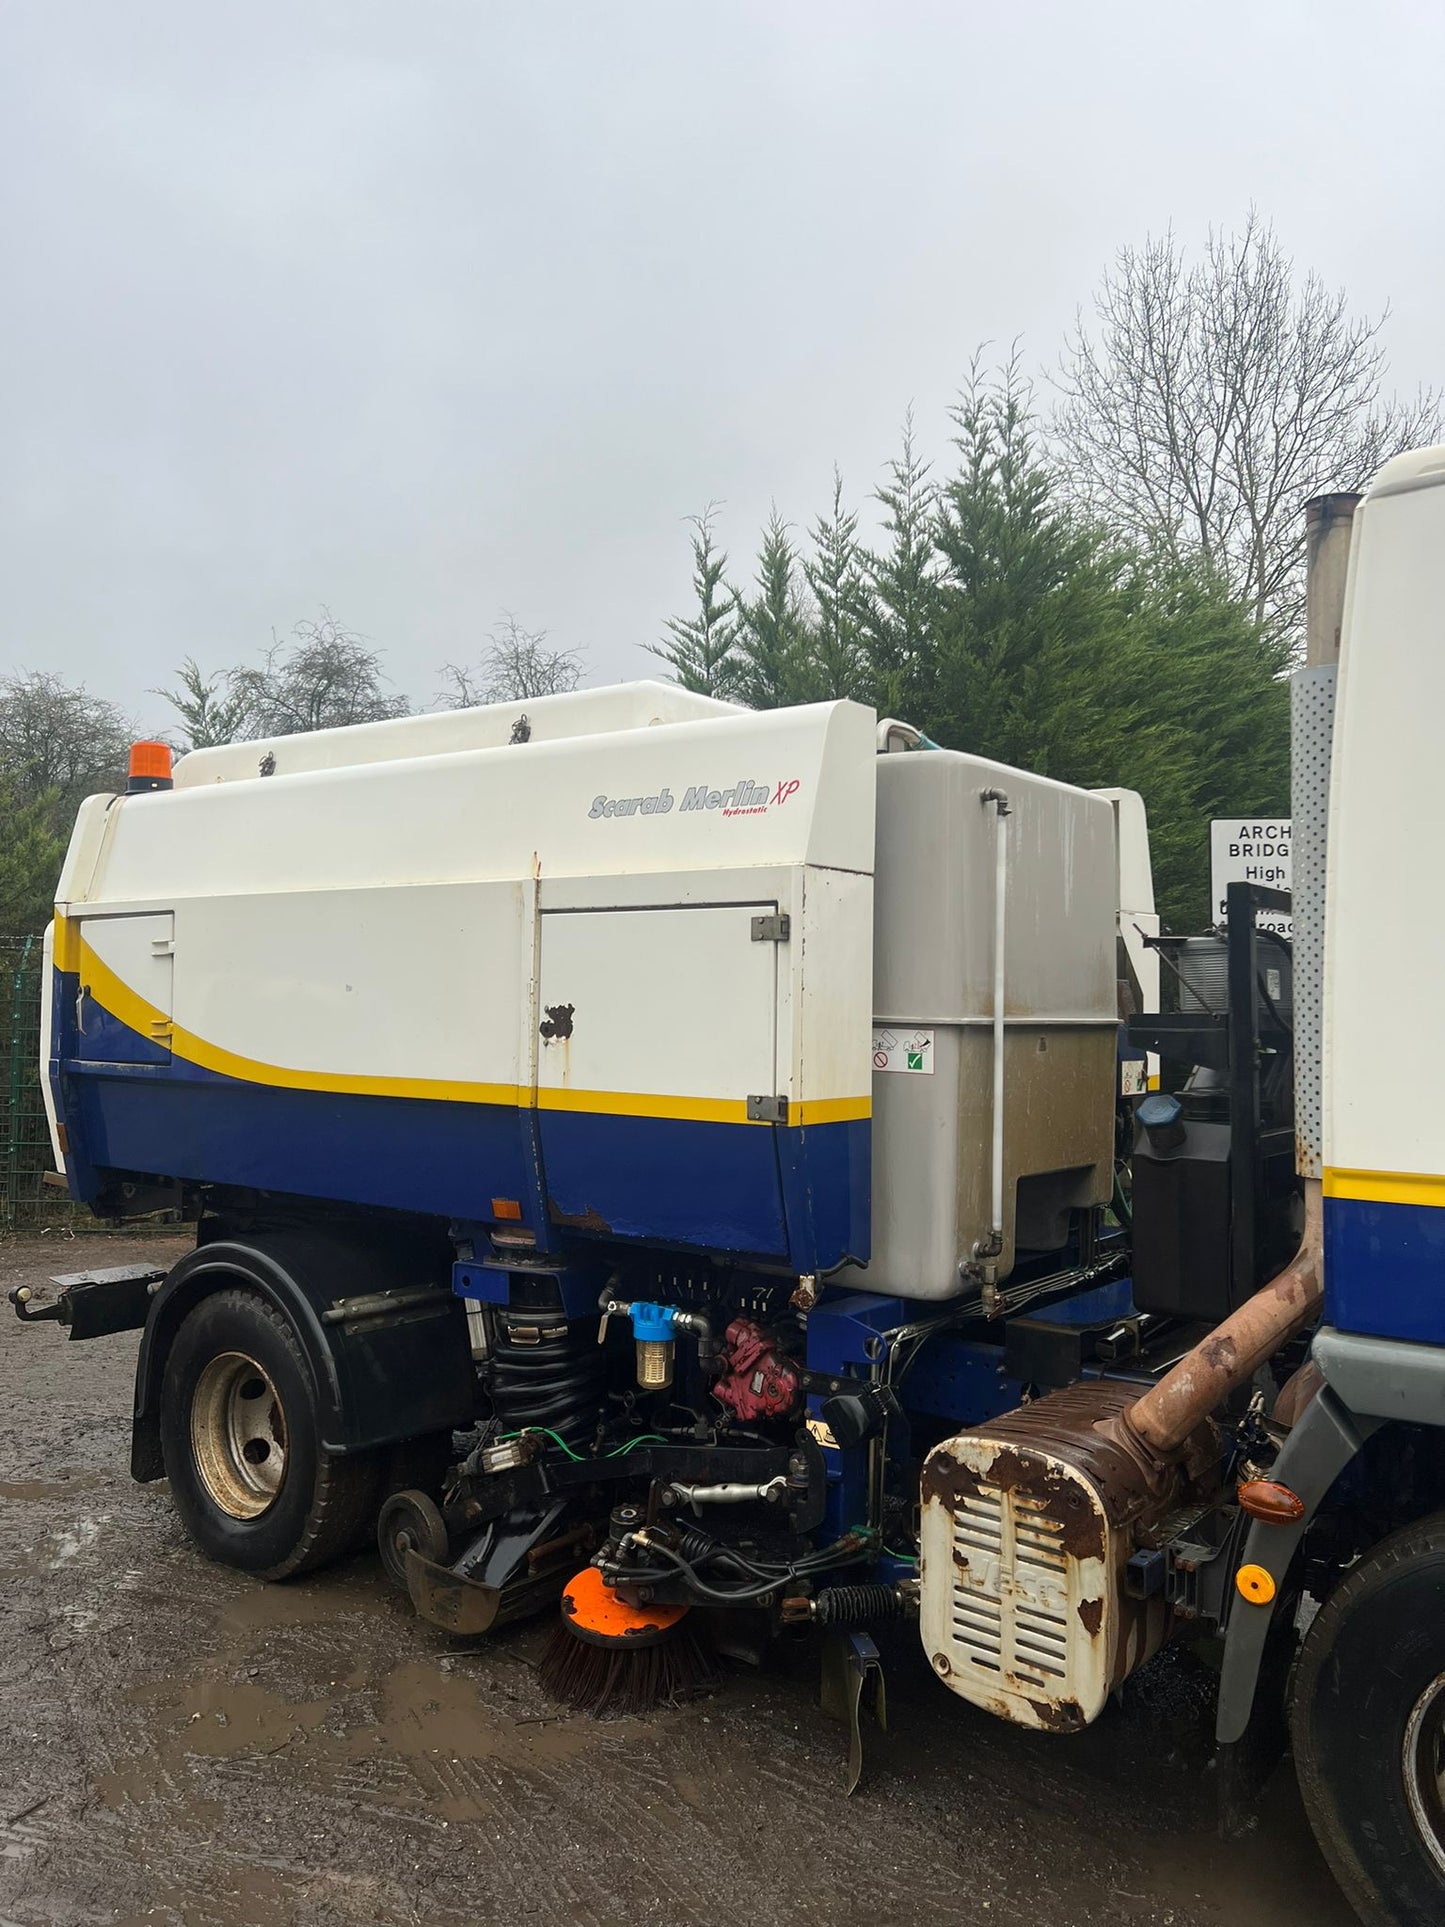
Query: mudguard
(384, 1336)
(1318, 1449)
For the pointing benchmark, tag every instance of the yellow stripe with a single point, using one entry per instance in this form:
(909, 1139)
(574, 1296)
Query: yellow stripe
(831, 1110)
(65, 944)
(696, 1110)
(132, 1010)
(1385, 1187)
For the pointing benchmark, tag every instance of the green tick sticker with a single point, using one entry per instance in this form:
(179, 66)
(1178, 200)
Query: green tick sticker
(915, 1060)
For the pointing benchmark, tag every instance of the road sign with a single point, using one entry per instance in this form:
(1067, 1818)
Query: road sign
(1251, 849)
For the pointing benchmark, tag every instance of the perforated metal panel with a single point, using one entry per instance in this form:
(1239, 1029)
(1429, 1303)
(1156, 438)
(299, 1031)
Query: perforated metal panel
(1010, 1594)
(1017, 1608)
(1312, 723)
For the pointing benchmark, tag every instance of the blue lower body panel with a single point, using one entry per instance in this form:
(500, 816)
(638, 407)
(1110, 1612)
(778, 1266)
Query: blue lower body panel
(665, 1180)
(405, 1154)
(791, 1196)
(1385, 1269)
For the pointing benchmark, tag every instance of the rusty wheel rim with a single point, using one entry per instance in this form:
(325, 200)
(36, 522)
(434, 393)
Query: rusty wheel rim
(1423, 1761)
(238, 1435)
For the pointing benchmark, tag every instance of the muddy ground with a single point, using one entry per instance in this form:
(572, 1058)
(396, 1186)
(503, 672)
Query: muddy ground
(182, 1746)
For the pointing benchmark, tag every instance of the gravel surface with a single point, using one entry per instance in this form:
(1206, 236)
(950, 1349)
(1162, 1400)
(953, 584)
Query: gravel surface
(180, 1745)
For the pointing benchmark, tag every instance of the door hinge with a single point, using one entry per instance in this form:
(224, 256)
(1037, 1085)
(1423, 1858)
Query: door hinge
(776, 928)
(767, 1110)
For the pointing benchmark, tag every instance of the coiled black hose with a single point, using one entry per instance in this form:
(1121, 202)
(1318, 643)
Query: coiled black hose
(554, 1376)
(695, 1546)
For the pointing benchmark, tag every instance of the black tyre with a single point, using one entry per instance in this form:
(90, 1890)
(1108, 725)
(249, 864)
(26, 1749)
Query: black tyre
(409, 1522)
(241, 1439)
(1368, 1723)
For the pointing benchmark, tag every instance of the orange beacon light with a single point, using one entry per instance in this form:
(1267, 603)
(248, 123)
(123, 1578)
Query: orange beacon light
(150, 768)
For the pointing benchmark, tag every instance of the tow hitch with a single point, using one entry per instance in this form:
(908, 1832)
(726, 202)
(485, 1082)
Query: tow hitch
(93, 1304)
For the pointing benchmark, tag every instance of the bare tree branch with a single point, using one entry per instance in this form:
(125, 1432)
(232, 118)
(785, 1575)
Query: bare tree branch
(58, 739)
(517, 667)
(324, 677)
(1206, 402)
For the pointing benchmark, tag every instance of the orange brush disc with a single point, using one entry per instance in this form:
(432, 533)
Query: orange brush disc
(593, 1611)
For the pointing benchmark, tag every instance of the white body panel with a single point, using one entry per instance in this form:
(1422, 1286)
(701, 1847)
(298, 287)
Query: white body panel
(427, 910)
(1384, 1046)
(645, 968)
(547, 719)
(376, 923)
(1138, 919)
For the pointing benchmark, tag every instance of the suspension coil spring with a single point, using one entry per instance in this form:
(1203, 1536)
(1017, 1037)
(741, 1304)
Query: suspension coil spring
(856, 1605)
(547, 1371)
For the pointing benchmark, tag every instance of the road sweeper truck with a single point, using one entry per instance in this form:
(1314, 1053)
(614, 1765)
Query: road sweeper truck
(698, 1173)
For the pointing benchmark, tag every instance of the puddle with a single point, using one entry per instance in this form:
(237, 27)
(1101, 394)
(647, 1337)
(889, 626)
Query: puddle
(423, 1713)
(256, 1607)
(36, 1491)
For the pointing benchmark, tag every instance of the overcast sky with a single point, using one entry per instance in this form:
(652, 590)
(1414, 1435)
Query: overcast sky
(425, 310)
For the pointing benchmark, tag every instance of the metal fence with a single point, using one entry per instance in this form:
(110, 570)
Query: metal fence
(25, 1153)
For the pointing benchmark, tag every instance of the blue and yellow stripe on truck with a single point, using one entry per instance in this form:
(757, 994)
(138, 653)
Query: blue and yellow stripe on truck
(653, 1168)
(1385, 1253)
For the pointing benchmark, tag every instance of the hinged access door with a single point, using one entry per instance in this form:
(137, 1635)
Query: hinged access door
(124, 1007)
(656, 1027)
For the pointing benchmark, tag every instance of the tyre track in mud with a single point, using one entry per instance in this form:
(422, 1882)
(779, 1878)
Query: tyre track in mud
(183, 1747)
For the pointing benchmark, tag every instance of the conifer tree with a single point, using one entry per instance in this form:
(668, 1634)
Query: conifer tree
(1080, 658)
(701, 649)
(904, 576)
(836, 575)
(773, 639)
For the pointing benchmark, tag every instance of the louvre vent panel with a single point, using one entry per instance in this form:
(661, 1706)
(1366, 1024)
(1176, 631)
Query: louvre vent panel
(1021, 1607)
(1010, 1588)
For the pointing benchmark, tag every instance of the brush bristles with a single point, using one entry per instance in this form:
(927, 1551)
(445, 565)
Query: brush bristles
(621, 1681)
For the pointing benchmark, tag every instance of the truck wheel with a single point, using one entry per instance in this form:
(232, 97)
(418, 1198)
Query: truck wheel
(1368, 1724)
(241, 1438)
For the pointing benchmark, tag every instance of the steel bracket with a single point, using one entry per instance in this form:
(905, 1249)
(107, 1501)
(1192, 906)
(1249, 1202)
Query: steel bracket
(777, 928)
(851, 1662)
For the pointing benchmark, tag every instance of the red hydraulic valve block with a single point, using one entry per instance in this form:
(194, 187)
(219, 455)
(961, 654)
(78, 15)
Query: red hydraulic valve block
(754, 1381)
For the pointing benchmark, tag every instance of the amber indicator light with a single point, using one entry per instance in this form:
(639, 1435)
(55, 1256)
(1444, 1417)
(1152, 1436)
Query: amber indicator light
(1273, 1504)
(509, 1208)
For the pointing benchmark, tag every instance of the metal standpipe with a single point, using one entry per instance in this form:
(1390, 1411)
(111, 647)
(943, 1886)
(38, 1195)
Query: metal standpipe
(988, 1252)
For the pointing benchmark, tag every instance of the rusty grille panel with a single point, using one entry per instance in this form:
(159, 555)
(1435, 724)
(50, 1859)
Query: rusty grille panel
(978, 1528)
(1010, 1569)
(1022, 1544)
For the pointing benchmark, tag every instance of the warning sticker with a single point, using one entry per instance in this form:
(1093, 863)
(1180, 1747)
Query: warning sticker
(903, 1050)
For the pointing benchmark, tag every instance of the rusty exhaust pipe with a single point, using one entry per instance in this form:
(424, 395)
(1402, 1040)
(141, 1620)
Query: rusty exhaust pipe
(1168, 1412)
(1160, 1422)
